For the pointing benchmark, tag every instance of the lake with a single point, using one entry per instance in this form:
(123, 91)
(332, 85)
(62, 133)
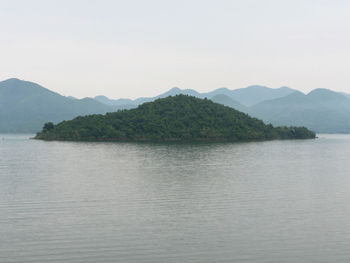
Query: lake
(275, 201)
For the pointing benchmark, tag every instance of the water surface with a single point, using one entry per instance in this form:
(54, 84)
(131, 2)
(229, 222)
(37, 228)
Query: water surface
(276, 201)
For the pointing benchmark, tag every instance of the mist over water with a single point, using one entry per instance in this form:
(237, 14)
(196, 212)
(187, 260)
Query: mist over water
(275, 201)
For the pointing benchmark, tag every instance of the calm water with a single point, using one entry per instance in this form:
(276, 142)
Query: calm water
(279, 201)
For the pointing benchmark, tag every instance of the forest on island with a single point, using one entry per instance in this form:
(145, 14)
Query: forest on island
(174, 118)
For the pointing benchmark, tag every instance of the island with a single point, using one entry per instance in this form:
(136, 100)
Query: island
(174, 118)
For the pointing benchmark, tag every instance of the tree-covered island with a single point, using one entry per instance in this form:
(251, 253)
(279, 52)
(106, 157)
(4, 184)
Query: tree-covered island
(177, 118)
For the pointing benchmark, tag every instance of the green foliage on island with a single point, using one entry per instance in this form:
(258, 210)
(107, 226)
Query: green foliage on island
(177, 118)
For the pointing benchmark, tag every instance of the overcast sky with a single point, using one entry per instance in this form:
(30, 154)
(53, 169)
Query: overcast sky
(142, 48)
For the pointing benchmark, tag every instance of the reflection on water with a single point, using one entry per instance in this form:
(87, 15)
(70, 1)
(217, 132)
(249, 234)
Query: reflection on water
(278, 201)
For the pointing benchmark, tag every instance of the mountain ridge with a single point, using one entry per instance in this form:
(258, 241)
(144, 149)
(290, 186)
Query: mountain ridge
(25, 106)
(321, 110)
(242, 95)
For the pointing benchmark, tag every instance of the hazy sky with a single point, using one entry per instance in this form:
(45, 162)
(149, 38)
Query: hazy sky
(142, 48)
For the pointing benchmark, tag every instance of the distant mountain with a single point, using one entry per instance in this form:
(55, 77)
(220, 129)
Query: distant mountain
(321, 110)
(172, 92)
(121, 103)
(176, 91)
(26, 106)
(345, 94)
(228, 101)
(174, 118)
(255, 94)
(245, 96)
(128, 103)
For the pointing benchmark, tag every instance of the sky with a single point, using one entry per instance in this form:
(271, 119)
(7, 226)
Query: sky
(130, 49)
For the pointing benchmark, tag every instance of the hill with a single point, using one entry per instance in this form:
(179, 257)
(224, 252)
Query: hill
(321, 110)
(178, 118)
(26, 106)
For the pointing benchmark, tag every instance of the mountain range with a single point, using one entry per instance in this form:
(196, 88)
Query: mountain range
(25, 106)
(321, 110)
(247, 96)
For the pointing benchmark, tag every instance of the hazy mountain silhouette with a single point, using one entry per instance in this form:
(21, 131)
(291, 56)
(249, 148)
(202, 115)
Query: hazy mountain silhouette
(255, 94)
(321, 110)
(26, 106)
(228, 101)
(118, 102)
(345, 94)
(245, 96)
(128, 103)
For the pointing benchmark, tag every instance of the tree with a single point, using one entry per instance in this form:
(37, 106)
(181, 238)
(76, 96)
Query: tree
(48, 126)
